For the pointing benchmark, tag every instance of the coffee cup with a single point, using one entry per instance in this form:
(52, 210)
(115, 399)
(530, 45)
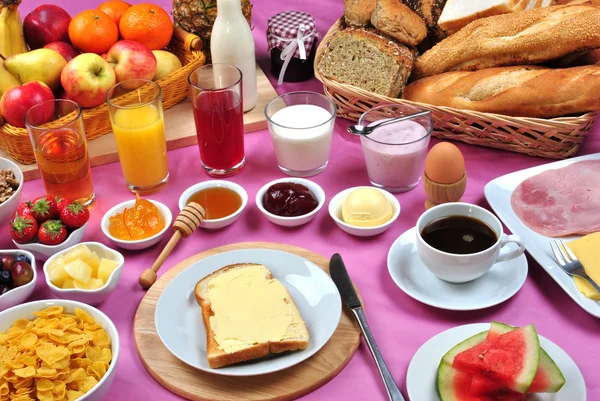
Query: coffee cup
(464, 267)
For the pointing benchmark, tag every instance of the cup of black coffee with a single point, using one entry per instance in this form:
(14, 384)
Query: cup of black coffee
(460, 242)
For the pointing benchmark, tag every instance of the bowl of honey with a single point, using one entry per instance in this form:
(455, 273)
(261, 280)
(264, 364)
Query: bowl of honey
(136, 224)
(222, 200)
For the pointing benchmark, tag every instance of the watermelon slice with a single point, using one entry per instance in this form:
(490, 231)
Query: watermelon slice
(511, 358)
(456, 386)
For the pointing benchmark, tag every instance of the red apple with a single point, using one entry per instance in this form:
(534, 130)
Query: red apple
(86, 79)
(131, 60)
(65, 49)
(46, 24)
(16, 101)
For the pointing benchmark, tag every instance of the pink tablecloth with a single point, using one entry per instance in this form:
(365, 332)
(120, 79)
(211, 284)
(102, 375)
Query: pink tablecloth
(400, 324)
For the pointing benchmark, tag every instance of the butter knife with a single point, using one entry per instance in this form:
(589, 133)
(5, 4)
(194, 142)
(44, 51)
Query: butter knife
(342, 281)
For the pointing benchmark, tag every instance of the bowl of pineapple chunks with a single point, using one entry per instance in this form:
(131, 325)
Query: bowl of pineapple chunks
(88, 272)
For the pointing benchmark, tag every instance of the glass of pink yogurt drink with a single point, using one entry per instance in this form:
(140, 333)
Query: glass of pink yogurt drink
(395, 153)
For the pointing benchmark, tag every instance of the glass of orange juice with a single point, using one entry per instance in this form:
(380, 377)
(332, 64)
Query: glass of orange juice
(58, 138)
(136, 115)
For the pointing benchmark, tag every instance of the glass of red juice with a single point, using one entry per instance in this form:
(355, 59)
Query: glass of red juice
(216, 95)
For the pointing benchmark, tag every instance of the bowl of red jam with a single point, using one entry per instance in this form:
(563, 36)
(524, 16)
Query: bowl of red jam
(290, 202)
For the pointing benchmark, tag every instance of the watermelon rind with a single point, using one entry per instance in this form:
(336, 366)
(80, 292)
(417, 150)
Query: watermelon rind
(554, 378)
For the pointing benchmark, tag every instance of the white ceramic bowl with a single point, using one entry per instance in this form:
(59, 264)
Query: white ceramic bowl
(9, 207)
(90, 297)
(43, 252)
(215, 224)
(25, 311)
(20, 294)
(335, 211)
(314, 188)
(139, 244)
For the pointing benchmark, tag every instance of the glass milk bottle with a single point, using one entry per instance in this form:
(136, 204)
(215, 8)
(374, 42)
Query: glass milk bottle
(232, 43)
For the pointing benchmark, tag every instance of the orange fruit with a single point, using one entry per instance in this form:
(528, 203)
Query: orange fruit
(148, 24)
(93, 31)
(114, 9)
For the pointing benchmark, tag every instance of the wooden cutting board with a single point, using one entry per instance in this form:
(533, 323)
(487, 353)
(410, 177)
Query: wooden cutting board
(179, 128)
(197, 385)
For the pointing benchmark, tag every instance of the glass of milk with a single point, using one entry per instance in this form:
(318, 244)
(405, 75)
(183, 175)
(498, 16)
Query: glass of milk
(301, 125)
(395, 153)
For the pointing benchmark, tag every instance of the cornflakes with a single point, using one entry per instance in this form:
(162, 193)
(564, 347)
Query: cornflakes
(55, 357)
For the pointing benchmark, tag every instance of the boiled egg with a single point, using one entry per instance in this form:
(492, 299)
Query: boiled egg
(445, 164)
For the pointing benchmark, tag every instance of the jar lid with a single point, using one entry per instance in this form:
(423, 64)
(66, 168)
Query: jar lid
(283, 28)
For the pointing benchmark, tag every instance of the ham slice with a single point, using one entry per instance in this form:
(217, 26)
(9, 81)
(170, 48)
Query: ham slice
(561, 202)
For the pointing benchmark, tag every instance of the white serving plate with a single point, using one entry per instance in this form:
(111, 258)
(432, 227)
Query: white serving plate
(498, 193)
(178, 316)
(421, 378)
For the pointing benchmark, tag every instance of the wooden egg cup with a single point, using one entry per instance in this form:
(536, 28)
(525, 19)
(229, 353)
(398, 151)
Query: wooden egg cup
(437, 193)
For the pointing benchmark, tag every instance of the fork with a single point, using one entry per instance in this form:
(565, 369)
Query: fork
(569, 262)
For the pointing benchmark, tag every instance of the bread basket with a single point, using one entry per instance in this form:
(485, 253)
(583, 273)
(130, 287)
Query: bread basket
(15, 141)
(555, 138)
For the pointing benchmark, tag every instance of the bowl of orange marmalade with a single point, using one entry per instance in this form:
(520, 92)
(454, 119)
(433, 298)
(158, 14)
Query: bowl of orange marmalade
(136, 224)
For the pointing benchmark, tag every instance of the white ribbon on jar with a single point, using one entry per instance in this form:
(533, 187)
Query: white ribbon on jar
(290, 49)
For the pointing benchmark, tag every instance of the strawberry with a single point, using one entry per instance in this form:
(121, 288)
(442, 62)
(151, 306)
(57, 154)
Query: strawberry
(74, 215)
(25, 209)
(23, 228)
(44, 208)
(52, 232)
(61, 202)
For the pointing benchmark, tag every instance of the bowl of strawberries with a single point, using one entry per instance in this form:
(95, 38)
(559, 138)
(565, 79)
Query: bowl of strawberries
(47, 225)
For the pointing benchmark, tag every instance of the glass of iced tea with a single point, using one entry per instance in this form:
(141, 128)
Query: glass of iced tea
(58, 138)
(216, 95)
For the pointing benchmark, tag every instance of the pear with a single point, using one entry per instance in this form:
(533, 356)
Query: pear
(42, 65)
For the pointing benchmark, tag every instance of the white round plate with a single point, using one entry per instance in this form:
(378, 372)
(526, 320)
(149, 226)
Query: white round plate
(422, 372)
(178, 316)
(408, 272)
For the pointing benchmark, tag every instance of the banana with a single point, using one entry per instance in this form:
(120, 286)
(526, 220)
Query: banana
(12, 40)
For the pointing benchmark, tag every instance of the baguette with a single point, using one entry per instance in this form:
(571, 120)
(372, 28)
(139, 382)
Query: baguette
(525, 37)
(393, 18)
(521, 91)
(240, 314)
(358, 12)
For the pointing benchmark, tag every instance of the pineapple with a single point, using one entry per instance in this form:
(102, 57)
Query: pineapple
(198, 16)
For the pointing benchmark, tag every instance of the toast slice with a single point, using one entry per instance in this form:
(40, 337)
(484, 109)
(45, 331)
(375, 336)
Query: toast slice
(248, 314)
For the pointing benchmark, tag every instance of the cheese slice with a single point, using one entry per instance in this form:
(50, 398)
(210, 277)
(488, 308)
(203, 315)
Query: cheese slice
(587, 250)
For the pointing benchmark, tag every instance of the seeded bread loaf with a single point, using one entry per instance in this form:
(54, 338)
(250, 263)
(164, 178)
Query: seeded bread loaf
(395, 19)
(358, 12)
(368, 60)
(522, 91)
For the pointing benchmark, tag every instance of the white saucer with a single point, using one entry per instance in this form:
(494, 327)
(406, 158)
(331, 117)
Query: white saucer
(421, 377)
(496, 286)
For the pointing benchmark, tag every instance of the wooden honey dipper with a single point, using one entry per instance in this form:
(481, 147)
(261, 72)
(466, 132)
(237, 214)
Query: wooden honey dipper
(186, 223)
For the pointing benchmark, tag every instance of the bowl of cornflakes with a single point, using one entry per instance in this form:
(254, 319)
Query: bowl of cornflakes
(74, 346)
(88, 272)
(136, 224)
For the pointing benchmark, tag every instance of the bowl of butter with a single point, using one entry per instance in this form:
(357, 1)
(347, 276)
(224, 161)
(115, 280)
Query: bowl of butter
(364, 211)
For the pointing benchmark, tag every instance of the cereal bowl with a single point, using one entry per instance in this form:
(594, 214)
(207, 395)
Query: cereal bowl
(335, 211)
(215, 224)
(43, 252)
(136, 245)
(294, 221)
(18, 295)
(9, 207)
(90, 297)
(26, 311)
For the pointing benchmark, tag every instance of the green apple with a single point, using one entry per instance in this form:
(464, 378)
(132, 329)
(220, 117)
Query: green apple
(87, 78)
(166, 64)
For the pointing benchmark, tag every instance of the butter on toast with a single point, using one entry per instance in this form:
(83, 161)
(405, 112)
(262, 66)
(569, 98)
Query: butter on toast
(248, 314)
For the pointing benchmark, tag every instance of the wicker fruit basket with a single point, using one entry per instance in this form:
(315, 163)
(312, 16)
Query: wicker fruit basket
(188, 47)
(556, 138)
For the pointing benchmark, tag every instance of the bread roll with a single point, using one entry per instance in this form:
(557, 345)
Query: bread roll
(522, 91)
(430, 11)
(394, 19)
(368, 60)
(526, 37)
(358, 12)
